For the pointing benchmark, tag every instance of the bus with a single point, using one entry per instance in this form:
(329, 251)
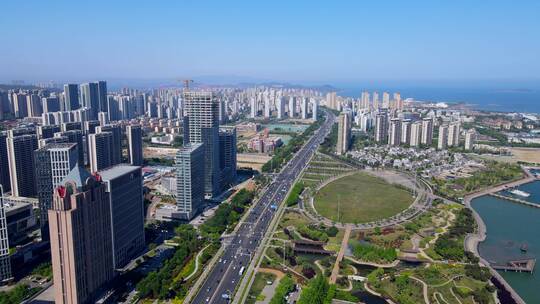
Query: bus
(242, 270)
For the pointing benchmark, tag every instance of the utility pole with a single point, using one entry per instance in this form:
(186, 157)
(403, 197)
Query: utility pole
(339, 208)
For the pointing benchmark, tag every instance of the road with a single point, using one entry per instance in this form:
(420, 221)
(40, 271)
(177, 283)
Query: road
(225, 276)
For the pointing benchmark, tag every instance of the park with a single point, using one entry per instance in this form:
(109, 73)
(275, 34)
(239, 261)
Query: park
(361, 198)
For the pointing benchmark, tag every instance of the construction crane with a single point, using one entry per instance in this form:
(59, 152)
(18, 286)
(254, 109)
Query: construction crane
(186, 83)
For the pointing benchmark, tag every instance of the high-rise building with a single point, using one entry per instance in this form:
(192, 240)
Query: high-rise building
(135, 145)
(45, 132)
(381, 127)
(33, 104)
(267, 107)
(398, 101)
(416, 134)
(20, 105)
(103, 118)
(344, 133)
(68, 126)
(4, 163)
(21, 163)
(453, 134)
(81, 242)
(394, 132)
(385, 100)
(292, 106)
(280, 107)
(331, 101)
(365, 120)
(74, 136)
(114, 112)
(5, 260)
(201, 108)
(227, 156)
(100, 150)
(51, 104)
(364, 100)
(442, 140)
(222, 111)
(304, 107)
(102, 94)
(427, 131)
(406, 131)
(254, 109)
(90, 98)
(116, 147)
(53, 163)
(124, 186)
(315, 108)
(190, 178)
(470, 139)
(376, 104)
(90, 126)
(71, 98)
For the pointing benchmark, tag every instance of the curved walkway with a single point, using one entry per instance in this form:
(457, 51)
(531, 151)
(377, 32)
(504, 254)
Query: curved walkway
(424, 289)
(196, 263)
(278, 273)
(393, 264)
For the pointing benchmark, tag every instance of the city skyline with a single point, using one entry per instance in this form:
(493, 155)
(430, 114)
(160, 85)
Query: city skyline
(316, 43)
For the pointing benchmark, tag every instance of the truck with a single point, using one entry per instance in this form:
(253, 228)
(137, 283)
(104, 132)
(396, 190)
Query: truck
(241, 270)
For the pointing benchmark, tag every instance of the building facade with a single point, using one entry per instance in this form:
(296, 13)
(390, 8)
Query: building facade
(124, 186)
(99, 151)
(201, 109)
(190, 180)
(53, 164)
(227, 156)
(81, 244)
(21, 163)
(135, 145)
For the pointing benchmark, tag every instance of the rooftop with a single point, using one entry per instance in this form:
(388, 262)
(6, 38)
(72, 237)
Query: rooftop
(58, 146)
(78, 175)
(116, 171)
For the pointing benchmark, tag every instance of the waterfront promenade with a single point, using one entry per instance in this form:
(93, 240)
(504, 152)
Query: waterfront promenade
(472, 240)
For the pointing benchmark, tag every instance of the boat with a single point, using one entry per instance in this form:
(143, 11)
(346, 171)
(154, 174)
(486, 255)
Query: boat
(524, 247)
(520, 193)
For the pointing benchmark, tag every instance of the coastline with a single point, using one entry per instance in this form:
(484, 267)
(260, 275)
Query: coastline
(472, 240)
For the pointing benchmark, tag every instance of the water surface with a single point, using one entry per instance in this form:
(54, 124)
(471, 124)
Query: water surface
(509, 225)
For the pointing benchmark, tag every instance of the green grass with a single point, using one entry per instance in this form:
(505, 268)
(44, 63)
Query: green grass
(258, 285)
(363, 198)
(290, 218)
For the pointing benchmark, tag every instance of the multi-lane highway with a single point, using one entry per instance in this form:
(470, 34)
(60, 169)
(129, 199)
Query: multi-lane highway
(227, 273)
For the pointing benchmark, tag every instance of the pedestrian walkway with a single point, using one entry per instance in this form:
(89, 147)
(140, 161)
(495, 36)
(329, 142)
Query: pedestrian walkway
(344, 244)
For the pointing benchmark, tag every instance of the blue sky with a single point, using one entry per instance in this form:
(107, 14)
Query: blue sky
(296, 41)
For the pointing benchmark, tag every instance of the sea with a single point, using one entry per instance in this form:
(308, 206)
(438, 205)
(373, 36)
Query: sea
(500, 99)
(509, 226)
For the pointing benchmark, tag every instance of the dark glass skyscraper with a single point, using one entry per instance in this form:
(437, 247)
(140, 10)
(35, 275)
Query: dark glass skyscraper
(71, 95)
(102, 94)
(90, 99)
(227, 156)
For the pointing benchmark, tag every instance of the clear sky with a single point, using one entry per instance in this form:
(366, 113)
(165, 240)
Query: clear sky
(297, 41)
